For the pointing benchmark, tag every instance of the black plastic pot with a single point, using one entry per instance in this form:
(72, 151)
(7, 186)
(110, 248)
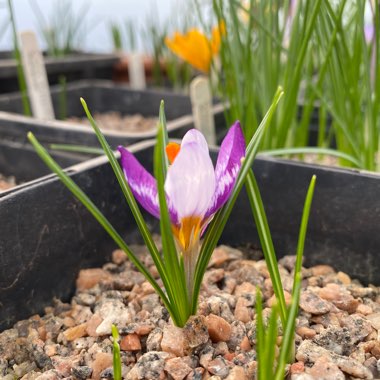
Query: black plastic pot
(22, 162)
(48, 235)
(101, 96)
(73, 67)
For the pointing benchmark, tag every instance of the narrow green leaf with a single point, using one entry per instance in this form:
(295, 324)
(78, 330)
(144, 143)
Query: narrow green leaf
(130, 199)
(77, 148)
(263, 230)
(216, 227)
(303, 229)
(171, 258)
(116, 354)
(94, 210)
(260, 335)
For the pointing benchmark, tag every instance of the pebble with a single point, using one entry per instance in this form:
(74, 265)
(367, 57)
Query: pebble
(323, 369)
(130, 342)
(337, 330)
(173, 340)
(102, 361)
(218, 367)
(195, 331)
(88, 278)
(218, 328)
(313, 304)
(177, 368)
(309, 352)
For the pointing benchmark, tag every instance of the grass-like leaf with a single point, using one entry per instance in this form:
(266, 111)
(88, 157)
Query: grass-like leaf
(216, 227)
(94, 210)
(116, 354)
(171, 259)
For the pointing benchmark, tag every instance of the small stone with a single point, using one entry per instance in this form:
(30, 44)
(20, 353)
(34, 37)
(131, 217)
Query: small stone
(21, 369)
(48, 375)
(310, 352)
(306, 332)
(196, 374)
(130, 342)
(375, 320)
(153, 342)
(237, 373)
(273, 300)
(238, 332)
(297, 368)
(322, 270)
(344, 278)
(173, 340)
(244, 289)
(93, 324)
(63, 365)
(313, 304)
(364, 309)
(177, 368)
(242, 312)
(336, 340)
(76, 332)
(206, 355)
(143, 330)
(245, 345)
(81, 372)
(218, 328)
(323, 369)
(195, 331)
(88, 278)
(151, 365)
(119, 257)
(221, 349)
(358, 327)
(340, 297)
(218, 367)
(102, 361)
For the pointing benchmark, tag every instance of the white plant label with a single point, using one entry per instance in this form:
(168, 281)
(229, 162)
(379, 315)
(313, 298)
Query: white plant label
(36, 77)
(136, 71)
(201, 102)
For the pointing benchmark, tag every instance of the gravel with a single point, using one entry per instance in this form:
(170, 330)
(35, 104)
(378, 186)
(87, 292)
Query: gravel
(336, 335)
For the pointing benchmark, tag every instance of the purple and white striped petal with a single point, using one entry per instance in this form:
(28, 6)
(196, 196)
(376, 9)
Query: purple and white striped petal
(190, 181)
(141, 182)
(227, 167)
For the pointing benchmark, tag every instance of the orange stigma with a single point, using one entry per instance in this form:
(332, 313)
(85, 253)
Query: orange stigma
(172, 149)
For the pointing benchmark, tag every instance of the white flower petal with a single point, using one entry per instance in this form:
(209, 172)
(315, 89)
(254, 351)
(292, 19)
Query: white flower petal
(194, 136)
(190, 181)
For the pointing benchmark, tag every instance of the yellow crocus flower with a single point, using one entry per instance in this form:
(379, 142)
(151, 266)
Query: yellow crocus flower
(196, 48)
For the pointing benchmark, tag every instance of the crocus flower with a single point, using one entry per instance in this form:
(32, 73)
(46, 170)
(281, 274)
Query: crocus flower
(195, 191)
(196, 48)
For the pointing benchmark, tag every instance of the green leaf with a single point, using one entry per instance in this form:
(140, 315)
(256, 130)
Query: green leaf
(172, 263)
(263, 230)
(216, 227)
(116, 354)
(94, 210)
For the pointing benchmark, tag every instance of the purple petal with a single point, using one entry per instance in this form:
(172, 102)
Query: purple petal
(141, 182)
(227, 167)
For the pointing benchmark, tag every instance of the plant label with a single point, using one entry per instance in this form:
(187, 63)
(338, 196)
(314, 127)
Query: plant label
(136, 71)
(201, 102)
(36, 77)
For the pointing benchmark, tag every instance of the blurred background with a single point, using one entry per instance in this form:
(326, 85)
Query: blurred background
(97, 16)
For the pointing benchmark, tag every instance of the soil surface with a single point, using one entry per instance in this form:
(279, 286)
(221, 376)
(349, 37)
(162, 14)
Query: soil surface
(116, 121)
(6, 182)
(336, 336)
